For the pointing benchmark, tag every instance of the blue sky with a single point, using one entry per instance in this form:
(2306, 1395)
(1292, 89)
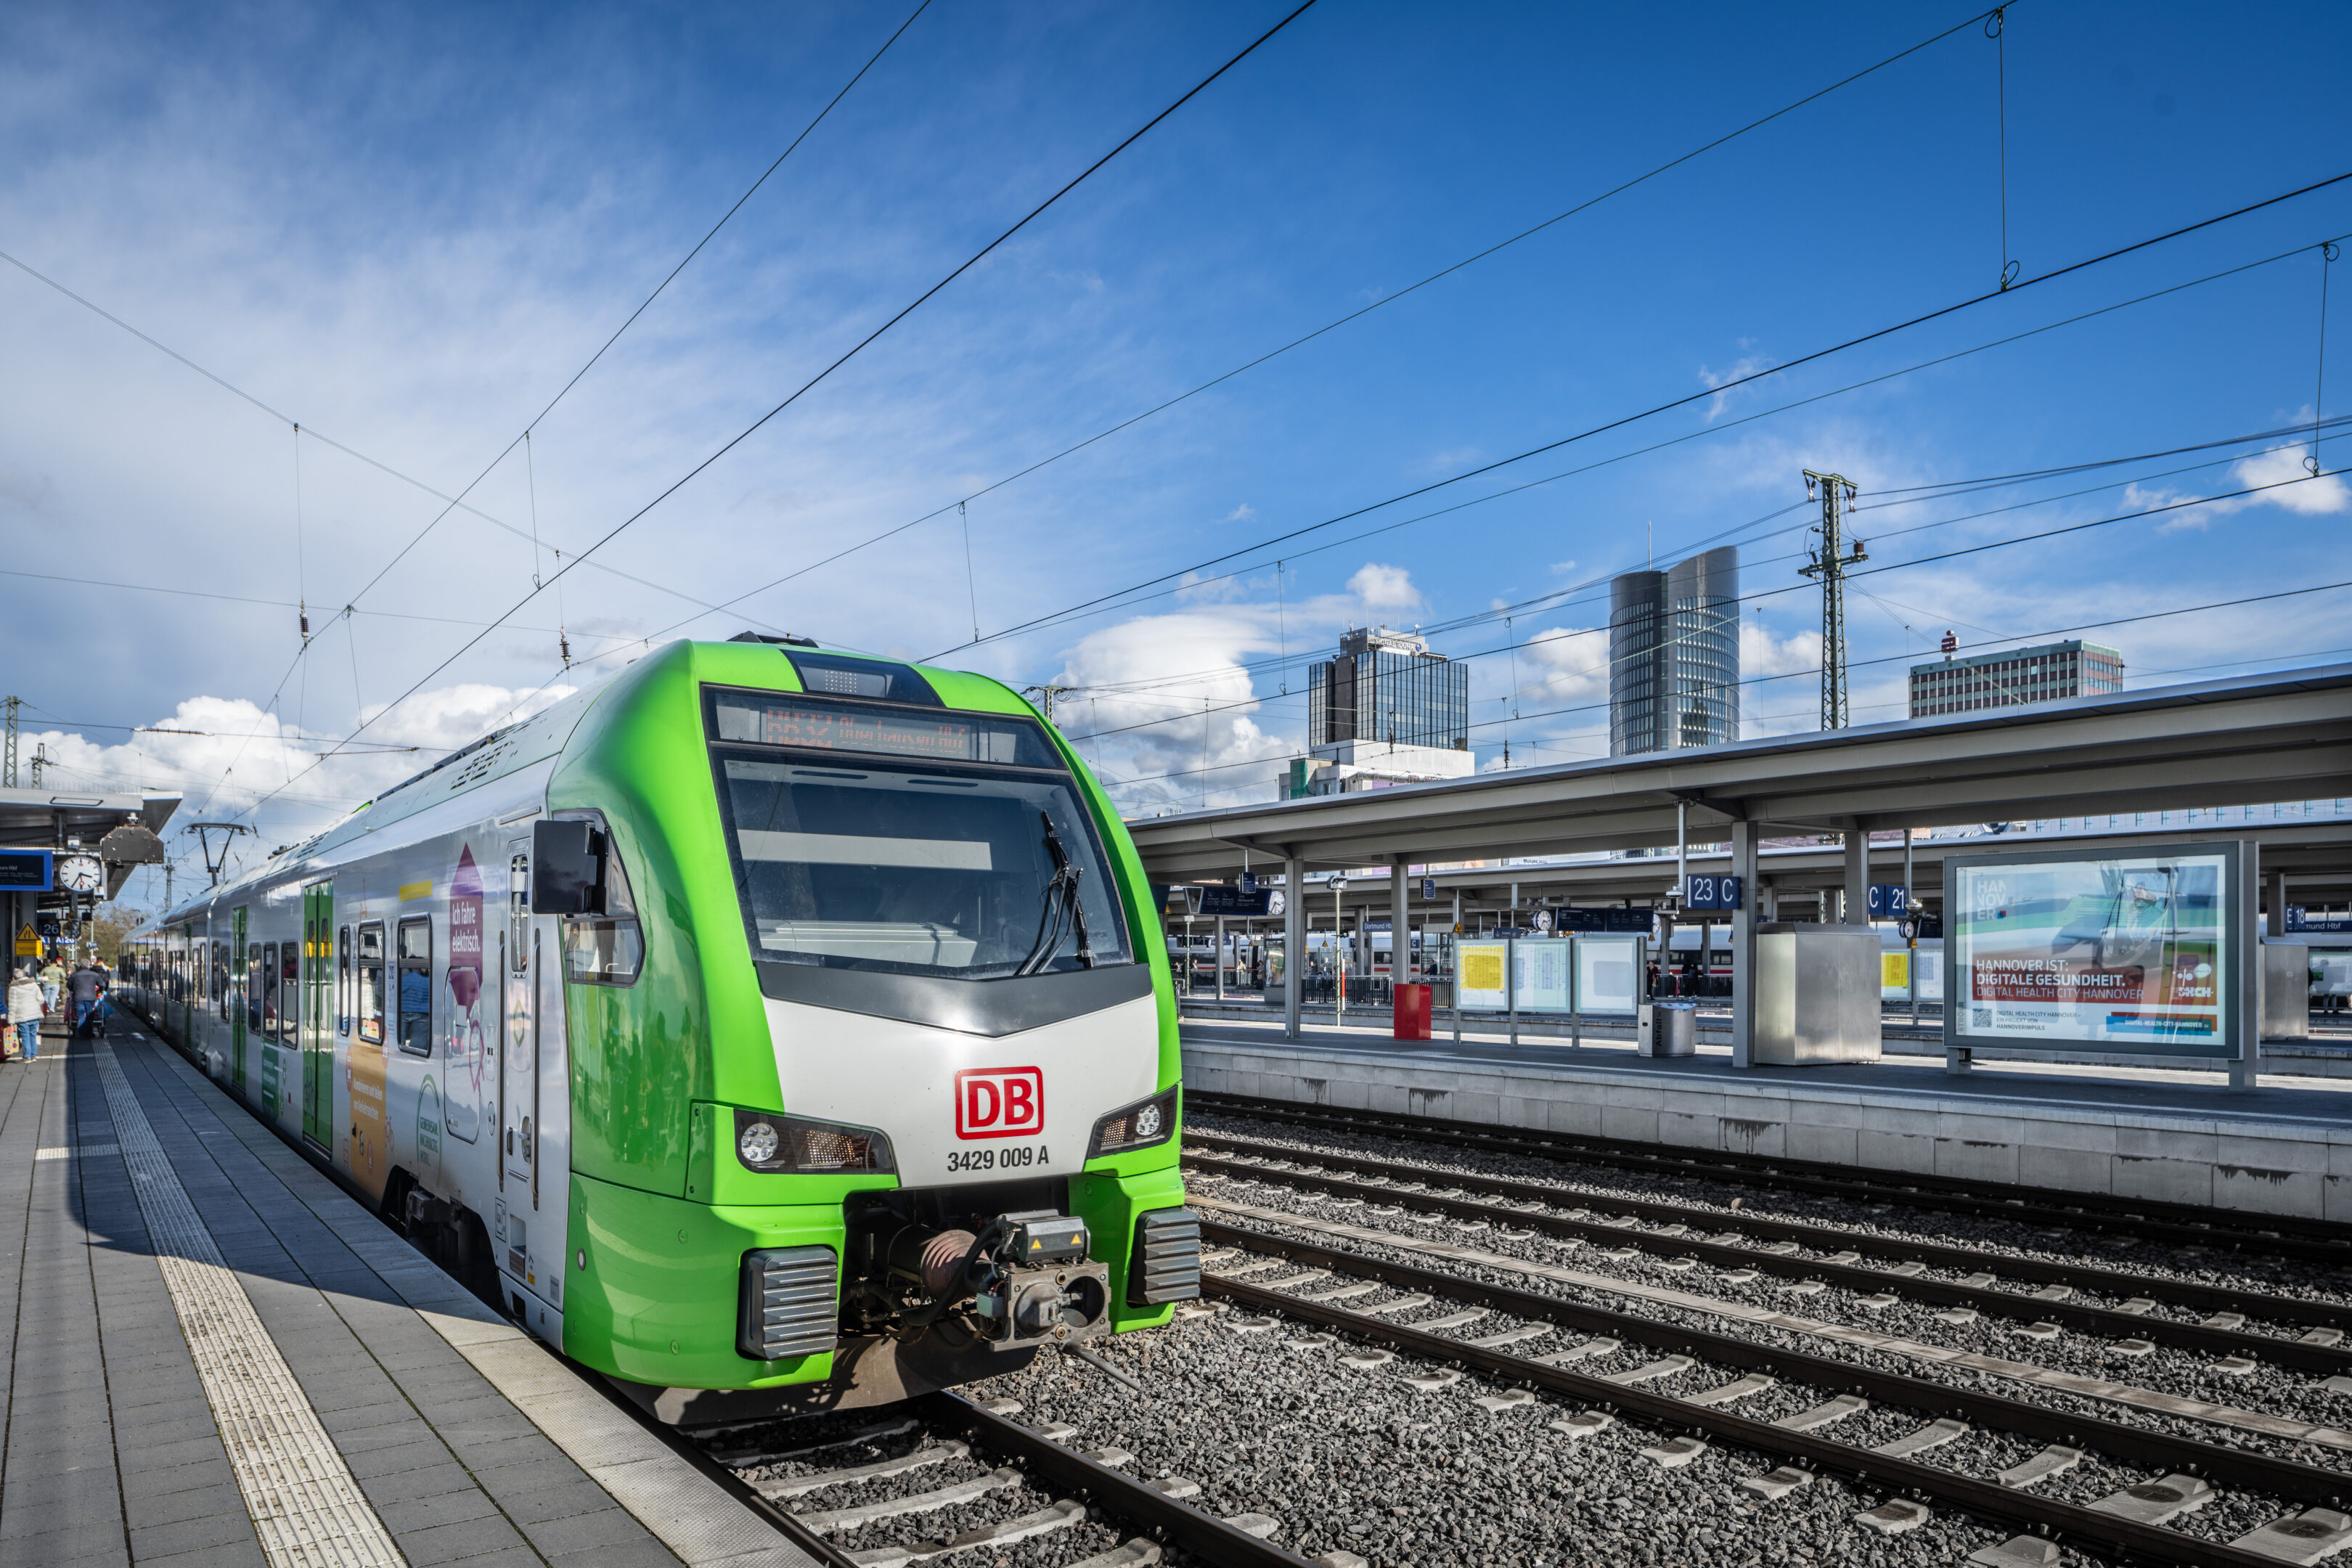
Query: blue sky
(407, 228)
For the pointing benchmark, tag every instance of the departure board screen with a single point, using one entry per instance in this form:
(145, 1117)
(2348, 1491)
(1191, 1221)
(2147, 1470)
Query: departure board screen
(931, 734)
(24, 870)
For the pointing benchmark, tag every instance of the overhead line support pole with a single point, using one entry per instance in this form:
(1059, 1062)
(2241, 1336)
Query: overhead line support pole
(1829, 563)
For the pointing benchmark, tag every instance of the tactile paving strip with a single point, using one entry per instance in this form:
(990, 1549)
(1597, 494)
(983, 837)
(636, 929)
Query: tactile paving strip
(307, 1510)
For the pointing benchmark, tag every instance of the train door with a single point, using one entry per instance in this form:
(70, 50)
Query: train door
(534, 1157)
(315, 1026)
(239, 983)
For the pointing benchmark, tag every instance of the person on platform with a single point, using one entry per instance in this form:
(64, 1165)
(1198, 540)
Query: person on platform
(85, 985)
(25, 1010)
(53, 980)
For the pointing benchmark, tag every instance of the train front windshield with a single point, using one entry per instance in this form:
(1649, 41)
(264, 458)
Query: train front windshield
(912, 842)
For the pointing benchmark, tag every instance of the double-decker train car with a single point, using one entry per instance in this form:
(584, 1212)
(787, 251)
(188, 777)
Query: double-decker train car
(769, 1028)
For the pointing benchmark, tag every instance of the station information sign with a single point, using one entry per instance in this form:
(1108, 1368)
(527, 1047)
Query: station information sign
(2134, 954)
(1609, 972)
(1554, 975)
(1705, 892)
(1542, 978)
(1247, 903)
(1478, 971)
(25, 872)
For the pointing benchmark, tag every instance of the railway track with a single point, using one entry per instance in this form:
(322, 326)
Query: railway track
(946, 1478)
(2324, 1241)
(2044, 1293)
(2112, 1487)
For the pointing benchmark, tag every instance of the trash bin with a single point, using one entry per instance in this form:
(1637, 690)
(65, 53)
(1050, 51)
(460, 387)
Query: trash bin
(1411, 1012)
(1674, 1029)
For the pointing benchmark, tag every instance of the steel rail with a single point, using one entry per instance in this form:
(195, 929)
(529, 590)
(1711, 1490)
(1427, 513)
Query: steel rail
(2238, 1467)
(1194, 1530)
(2106, 1531)
(2288, 1236)
(2327, 1360)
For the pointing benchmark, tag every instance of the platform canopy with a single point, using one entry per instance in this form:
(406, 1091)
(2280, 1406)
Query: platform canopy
(2278, 737)
(124, 829)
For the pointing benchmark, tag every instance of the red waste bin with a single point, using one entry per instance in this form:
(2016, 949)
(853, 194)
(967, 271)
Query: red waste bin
(1411, 1012)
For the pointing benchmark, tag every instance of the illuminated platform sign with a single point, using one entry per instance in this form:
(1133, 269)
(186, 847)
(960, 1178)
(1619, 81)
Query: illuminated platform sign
(25, 872)
(2136, 954)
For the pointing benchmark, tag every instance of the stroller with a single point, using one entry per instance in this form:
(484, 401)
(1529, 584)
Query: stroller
(93, 1027)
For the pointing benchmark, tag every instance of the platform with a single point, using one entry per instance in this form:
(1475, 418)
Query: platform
(213, 1355)
(2285, 1147)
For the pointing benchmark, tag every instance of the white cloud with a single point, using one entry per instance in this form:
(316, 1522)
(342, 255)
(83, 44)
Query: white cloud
(2279, 477)
(1384, 589)
(227, 757)
(1241, 513)
(1164, 709)
(1737, 370)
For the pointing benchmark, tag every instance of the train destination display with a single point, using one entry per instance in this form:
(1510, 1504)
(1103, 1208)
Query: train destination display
(2133, 953)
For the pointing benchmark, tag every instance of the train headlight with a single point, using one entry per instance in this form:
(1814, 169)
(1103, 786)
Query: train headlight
(758, 1144)
(1136, 1126)
(773, 1144)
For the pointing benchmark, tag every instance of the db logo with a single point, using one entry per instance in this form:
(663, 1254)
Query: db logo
(999, 1102)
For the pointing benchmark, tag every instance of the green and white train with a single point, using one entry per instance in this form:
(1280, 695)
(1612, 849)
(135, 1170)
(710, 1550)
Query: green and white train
(769, 1028)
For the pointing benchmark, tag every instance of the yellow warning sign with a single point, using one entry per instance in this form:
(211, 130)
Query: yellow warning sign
(28, 943)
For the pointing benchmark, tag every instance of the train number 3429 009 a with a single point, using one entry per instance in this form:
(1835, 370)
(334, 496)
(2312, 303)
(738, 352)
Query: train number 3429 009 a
(1013, 1157)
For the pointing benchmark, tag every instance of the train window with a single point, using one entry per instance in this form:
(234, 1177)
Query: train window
(416, 985)
(912, 870)
(369, 972)
(220, 979)
(268, 988)
(289, 990)
(343, 984)
(607, 949)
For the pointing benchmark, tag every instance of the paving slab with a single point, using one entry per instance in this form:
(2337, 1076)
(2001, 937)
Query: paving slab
(210, 1354)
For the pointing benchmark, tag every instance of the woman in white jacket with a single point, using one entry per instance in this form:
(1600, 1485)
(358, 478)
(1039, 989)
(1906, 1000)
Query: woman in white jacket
(25, 1006)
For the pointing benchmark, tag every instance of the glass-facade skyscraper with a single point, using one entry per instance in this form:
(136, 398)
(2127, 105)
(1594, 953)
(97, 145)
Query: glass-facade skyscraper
(1388, 687)
(1674, 656)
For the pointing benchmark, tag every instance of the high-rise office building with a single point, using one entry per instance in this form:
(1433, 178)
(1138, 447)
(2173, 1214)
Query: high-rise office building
(1387, 685)
(1385, 710)
(1674, 656)
(2044, 673)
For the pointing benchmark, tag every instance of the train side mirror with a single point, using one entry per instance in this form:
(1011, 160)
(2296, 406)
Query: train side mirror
(567, 872)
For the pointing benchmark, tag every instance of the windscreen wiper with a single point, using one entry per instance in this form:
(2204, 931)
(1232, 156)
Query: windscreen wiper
(1063, 912)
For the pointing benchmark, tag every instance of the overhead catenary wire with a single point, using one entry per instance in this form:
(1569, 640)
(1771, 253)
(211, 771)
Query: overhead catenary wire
(1361, 311)
(454, 502)
(1996, 29)
(1938, 313)
(1512, 645)
(2327, 254)
(749, 430)
(566, 389)
(1726, 425)
(1565, 598)
(1888, 659)
(306, 432)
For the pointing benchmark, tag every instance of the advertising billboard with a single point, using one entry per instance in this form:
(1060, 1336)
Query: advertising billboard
(1609, 974)
(2136, 954)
